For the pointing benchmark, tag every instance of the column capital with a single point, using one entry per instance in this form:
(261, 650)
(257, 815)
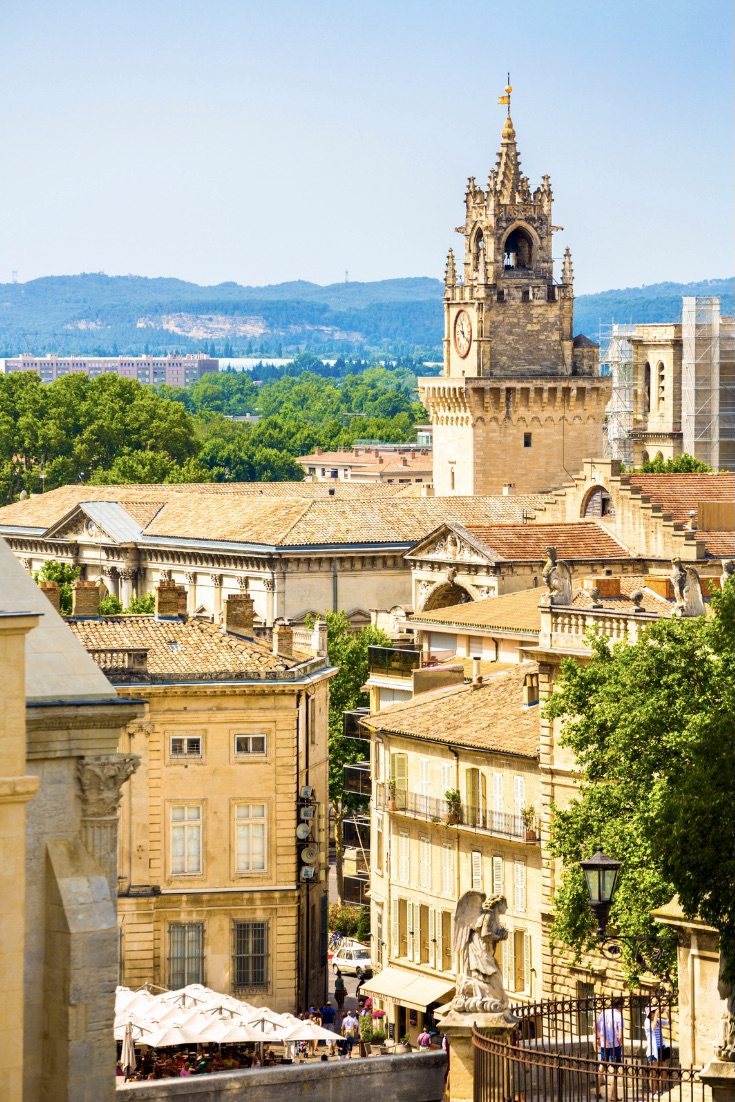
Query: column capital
(100, 779)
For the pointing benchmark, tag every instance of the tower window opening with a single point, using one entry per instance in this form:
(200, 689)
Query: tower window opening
(479, 249)
(518, 251)
(647, 389)
(661, 385)
(527, 440)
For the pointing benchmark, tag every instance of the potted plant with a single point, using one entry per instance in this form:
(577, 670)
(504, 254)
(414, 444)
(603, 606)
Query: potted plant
(528, 817)
(454, 805)
(404, 1044)
(391, 795)
(377, 1042)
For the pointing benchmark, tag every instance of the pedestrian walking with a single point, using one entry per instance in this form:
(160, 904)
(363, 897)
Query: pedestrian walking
(339, 989)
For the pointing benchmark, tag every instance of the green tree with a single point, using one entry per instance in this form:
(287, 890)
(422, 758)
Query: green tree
(680, 464)
(349, 651)
(142, 606)
(652, 727)
(110, 606)
(64, 576)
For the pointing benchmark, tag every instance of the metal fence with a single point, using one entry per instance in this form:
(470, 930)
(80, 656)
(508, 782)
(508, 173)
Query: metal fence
(579, 1050)
(435, 809)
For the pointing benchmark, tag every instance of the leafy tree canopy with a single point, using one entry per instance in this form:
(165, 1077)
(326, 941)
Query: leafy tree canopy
(63, 575)
(680, 464)
(653, 731)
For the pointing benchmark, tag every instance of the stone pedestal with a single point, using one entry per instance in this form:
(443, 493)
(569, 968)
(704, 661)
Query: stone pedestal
(458, 1028)
(719, 1076)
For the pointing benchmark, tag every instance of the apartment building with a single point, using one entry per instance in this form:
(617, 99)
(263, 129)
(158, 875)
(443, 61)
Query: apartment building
(455, 792)
(171, 369)
(215, 884)
(381, 463)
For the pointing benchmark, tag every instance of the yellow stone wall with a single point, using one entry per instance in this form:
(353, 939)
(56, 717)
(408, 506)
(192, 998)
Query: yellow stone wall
(217, 782)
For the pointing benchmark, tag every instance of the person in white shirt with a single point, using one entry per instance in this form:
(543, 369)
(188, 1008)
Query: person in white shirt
(609, 1033)
(656, 1048)
(349, 1029)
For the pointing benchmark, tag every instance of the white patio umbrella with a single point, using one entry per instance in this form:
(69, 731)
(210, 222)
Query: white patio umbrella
(307, 1031)
(226, 1006)
(140, 1027)
(267, 1020)
(169, 1035)
(235, 1033)
(138, 1006)
(127, 1057)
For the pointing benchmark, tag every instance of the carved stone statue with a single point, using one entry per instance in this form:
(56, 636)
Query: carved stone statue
(477, 929)
(724, 1045)
(728, 569)
(558, 579)
(687, 590)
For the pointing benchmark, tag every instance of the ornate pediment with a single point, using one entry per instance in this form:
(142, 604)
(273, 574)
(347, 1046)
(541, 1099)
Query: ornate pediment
(79, 526)
(451, 548)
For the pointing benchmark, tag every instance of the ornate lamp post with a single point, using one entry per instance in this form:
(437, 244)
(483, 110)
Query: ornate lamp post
(651, 951)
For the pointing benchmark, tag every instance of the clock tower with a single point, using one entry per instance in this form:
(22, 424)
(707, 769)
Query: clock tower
(520, 402)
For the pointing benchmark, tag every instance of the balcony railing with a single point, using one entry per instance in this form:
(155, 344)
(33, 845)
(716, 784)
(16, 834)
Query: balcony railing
(358, 781)
(357, 890)
(434, 809)
(351, 725)
(393, 661)
(356, 833)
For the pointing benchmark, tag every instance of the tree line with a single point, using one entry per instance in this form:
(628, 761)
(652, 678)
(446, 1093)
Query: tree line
(110, 430)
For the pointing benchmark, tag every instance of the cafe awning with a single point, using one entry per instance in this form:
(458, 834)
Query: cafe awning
(409, 989)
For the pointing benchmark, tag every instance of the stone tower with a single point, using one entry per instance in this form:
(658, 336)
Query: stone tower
(520, 402)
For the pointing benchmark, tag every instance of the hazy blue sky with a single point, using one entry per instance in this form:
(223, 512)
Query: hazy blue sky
(233, 140)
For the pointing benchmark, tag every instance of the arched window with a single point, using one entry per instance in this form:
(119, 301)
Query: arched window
(661, 385)
(479, 249)
(598, 503)
(647, 389)
(518, 250)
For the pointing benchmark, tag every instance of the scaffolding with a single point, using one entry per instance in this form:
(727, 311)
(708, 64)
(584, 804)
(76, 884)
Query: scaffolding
(707, 396)
(616, 360)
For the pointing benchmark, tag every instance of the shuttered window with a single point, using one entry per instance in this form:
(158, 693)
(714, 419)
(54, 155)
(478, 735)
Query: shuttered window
(394, 929)
(399, 771)
(447, 868)
(432, 937)
(404, 867)
(379, 843)
(498, 801)
(472, 797)
(424, 789)
(476, 870)
(425, 863)
(447, 777)
(519, 887)
(497, 875)
(519, 796)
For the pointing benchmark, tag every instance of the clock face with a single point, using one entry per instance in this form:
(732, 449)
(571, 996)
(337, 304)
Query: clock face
(462, 333)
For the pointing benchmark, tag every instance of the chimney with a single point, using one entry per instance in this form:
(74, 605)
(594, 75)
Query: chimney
(51, 589)
(476, 676)
(608, 587)
(85, 600)
(319, 639)
(317, 450)
(183, 602)
(167, 601)
(283, 639)
(404, 461)
(413, 455)
(239, 614)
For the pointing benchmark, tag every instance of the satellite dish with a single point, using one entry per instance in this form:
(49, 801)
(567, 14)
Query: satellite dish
(310, 854)
(302, 831)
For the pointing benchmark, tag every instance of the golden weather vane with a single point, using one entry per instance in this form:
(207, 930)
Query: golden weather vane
(506, 98)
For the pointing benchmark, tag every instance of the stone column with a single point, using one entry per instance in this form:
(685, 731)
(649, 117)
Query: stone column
(112, 575)
(458, 1028)
(100, 779)
(269, 585)
(128, 574)
(216, 596)
(191, 592)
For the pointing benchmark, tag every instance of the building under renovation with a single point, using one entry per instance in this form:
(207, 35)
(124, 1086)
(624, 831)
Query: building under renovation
(673, 387)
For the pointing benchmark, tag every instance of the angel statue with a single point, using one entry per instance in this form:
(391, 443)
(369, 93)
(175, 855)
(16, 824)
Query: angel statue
(687, 590)
(558, 579)
(477, 929)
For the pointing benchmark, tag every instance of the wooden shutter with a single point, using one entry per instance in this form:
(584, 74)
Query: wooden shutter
(476, 870)
(519, 796)
(519, 887)
(413, 945)
(432, 935)
(483, 800)
(403, 858)
(446, 869)
(424, 776)
(399, 771)
(472, 795)
(527, 963)
(511, 961)
(446, 777)
(504, 959)
(498, 801)
(425, 863)
(497, 875)
(394, 936)
(451, 942)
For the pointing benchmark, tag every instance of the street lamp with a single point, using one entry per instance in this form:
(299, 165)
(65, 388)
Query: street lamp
(651, 951)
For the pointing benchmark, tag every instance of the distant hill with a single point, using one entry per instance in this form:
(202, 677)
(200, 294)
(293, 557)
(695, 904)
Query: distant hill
(95, 313)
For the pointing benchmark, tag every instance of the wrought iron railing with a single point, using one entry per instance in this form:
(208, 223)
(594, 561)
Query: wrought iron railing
(435, 809)
(393, 661)
(579, 1050)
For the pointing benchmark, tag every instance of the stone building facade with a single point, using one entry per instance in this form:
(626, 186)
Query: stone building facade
(62, 781)
(521, 400)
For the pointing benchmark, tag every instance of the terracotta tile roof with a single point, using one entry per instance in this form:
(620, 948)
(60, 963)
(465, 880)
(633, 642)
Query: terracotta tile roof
(680, 493)
(186, 650)
(142, 512)
(719, 545)
(490, 716)
(367, 460)
(355, 514)
(509, 612)
(584, 539)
